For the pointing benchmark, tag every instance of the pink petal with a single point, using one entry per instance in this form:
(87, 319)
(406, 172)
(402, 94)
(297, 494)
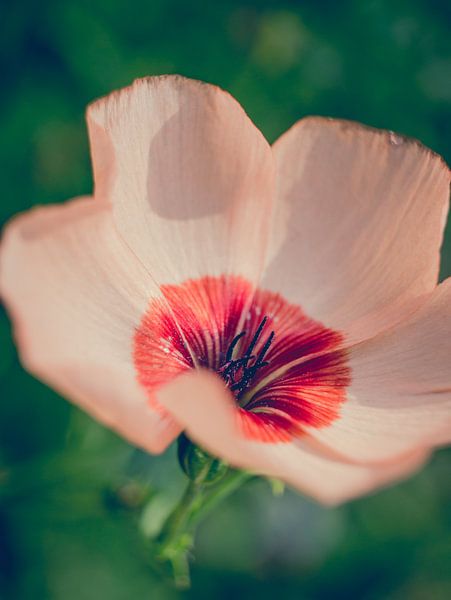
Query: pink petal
(358, 225)
(190, 177)
(76, 294)
(202, 405)
(400, 396)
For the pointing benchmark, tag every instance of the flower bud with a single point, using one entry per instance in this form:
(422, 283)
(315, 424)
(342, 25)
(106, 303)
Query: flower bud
(198, 465)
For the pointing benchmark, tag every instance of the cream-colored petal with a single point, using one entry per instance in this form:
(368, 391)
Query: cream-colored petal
(75, 294)
(202, 405)
(190, 178)
(400, 396)
(359, 221)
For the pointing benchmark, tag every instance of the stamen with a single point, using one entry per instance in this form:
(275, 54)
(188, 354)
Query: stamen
(256, 336)
(232, 366)
(235, 341)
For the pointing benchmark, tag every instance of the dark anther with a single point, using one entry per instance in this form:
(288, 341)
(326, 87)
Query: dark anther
(239, 372)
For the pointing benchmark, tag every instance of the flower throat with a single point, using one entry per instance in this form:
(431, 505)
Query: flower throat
(284, 370)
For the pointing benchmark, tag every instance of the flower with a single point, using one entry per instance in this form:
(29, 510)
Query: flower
(280, 305)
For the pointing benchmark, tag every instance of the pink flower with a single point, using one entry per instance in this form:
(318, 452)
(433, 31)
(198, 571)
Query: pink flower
(278, 304)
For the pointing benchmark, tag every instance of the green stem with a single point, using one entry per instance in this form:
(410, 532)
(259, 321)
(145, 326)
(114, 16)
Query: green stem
(230, 483)
(177, 534)
(177, 522)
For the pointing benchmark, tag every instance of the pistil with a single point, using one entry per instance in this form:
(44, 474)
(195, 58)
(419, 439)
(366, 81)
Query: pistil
(239, 372)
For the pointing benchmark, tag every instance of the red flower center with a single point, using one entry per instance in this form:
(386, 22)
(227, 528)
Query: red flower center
(286, 371)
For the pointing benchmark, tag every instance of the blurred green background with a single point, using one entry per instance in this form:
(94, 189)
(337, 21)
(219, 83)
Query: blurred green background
(71, 492)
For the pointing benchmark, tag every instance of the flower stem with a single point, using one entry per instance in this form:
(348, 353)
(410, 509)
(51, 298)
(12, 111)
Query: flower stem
(176, 538)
